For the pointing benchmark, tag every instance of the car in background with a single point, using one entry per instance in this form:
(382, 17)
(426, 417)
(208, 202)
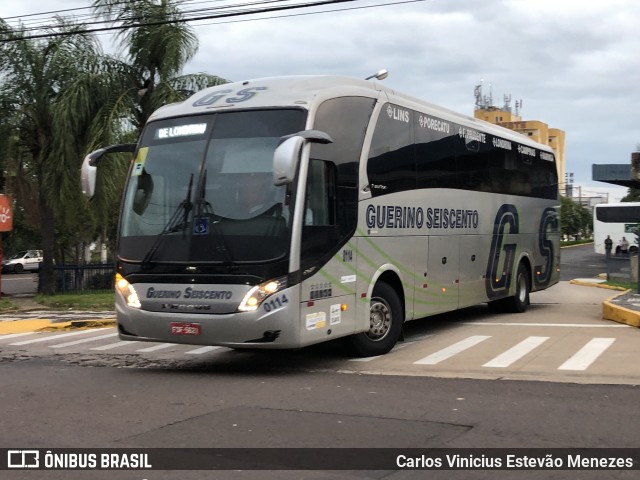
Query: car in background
(21, 261)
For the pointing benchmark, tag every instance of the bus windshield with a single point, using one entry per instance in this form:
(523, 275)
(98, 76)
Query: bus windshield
(201, 190)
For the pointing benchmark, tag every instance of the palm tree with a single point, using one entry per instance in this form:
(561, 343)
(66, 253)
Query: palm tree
(48, 124)
(158, 45)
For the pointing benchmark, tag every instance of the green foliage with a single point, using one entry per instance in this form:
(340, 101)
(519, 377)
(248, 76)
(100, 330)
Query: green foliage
(84, 301)
(633, 195)
(61, 97)
(576, 220)
(48, 122)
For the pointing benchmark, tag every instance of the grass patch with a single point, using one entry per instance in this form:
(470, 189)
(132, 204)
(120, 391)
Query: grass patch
(6, 304)
(75, 301)
(623, 285)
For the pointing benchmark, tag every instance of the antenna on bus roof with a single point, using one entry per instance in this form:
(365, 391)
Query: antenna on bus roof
(380, 75)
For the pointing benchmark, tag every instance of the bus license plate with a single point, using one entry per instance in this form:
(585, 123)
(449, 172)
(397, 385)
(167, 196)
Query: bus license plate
(183, 328)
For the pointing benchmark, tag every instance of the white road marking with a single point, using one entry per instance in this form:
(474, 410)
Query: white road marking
(396, 347)
(516, 352)
(156, 347)
(452, 350)
(14, 335)
(587, 354)
(114, 345)
(200, 351)
(56, 337)
(578, 325)
(84, 340)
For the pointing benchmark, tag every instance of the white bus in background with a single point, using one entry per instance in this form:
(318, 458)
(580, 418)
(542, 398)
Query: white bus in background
(617, 220)
(284, 212)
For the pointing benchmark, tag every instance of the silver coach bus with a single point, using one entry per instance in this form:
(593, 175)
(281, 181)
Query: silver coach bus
(283, 212)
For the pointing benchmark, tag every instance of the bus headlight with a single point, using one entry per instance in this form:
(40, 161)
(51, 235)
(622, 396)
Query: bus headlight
(127, 291)
(257, 294)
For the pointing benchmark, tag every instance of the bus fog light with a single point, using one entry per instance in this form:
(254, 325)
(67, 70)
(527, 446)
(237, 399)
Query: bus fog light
(127, 291)
(259, 293)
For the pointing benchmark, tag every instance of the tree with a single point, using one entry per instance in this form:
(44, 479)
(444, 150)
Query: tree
(633, 195)
(576, 220)
(155, 55)
(61, 97)
(37, 101)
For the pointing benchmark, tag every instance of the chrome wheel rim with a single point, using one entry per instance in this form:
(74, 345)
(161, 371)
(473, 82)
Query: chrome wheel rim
(379, 319)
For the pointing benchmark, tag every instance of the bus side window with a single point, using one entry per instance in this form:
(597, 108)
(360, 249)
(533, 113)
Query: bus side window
(391, 166)
(320, 204)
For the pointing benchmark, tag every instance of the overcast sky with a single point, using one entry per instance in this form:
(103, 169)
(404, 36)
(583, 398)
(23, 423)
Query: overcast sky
(575, 64)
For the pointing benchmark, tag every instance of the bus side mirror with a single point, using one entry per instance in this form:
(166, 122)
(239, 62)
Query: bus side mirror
(287, 155)
(89, 169)
(88, 177)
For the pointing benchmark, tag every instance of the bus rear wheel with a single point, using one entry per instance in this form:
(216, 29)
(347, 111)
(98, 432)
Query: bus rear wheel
(385, 323)
(520, 301)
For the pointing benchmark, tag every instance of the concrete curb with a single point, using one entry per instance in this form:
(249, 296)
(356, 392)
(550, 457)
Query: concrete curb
(611, 311)
(79, 325)
(616, 313)
(597, 285)
(48, 325)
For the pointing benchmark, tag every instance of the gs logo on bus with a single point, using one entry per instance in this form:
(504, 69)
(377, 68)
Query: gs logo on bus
(497, 279)
(240, 96)
(548, 222)
(502, 255)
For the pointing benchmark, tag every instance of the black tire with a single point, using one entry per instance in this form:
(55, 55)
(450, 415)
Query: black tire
(18, 268)
(385, 314)
(520, 301)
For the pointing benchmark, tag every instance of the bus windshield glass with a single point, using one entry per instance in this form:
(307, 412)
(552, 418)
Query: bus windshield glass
(201, 190)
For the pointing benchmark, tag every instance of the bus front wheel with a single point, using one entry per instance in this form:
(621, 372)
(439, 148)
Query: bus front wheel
(385, 323)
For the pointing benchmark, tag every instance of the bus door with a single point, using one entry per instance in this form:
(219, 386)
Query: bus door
(473, 266)
(443, 268)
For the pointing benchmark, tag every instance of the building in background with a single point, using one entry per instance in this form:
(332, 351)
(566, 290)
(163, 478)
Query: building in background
(510, 118)
(623, 174)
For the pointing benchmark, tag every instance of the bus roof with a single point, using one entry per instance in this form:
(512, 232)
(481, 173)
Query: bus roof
(618, 204)
(305, 91)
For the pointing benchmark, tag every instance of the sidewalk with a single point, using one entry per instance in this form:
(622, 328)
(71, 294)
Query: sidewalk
(25, 303)
(623, 307)
(30, 316)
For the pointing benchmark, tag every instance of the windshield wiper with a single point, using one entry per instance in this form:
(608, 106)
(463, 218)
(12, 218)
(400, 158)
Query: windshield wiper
(173, 224)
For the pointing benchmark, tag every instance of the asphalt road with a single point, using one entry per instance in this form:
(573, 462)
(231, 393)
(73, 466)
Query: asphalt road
(19, 283)
(50, 403)
(582, 262)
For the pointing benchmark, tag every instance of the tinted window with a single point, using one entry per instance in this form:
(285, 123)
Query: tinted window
(332, 183)
(486, 167)
(618, 214)
(435, 153)
(391, 166)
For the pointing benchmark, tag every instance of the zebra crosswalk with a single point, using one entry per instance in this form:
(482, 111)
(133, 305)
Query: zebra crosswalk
(499, 351)
(579, 361)
(58, 341)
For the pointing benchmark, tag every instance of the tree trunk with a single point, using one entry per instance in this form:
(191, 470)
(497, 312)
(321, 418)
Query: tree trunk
(48, 231)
